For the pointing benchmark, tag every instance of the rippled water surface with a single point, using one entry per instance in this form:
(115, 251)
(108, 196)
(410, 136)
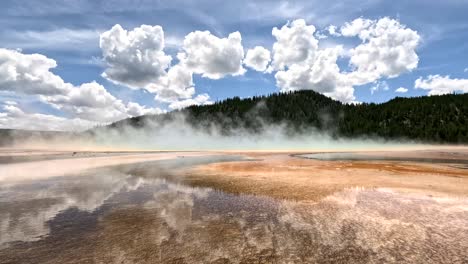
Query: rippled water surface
(144, 214)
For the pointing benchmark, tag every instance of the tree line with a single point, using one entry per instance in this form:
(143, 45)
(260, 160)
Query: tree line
(433, 119)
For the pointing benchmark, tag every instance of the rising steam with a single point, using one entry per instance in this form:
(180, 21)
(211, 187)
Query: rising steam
(180, 134)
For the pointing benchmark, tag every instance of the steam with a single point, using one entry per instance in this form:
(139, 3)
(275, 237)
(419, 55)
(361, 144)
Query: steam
(178, 132)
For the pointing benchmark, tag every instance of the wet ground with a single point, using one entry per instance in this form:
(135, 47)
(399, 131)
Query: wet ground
(353, 156)
(148, 213)
(9, 156)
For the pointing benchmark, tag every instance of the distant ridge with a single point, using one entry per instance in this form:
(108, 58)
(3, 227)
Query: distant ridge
(431, 119)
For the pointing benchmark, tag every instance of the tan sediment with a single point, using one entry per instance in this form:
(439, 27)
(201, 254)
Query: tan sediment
(275, 174)
(287, 177)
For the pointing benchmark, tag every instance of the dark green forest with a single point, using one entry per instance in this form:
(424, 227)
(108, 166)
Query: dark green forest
(432, 119)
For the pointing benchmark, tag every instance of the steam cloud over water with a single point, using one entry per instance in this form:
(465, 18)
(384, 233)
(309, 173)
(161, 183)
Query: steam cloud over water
(180, 134)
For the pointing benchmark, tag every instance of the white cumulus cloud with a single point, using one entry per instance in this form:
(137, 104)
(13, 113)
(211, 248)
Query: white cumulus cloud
(437, 84)
(295, 43)
(388, 49)
(11, 116)
(333, 31)
(355, 27)
(302, 65)
(29, 74)
(134, 58)
(89, 102)
(321, 75)
(213, 57)
(257, 58)
(135, 109)
(401, 90)
(201, 99)
(175, 85)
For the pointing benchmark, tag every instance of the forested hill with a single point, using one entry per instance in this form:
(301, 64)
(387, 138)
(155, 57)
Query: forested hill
(441, 119)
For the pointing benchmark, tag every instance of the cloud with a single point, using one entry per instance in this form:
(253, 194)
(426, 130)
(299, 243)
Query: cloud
(134, 58)
(257, 58)
(91, 101)
(15, 118)
(91, 95)
(213, 57)
(401, 90)
(333, 31)
(437, 84)
(383, 85)
(135, 109)
(31, 74)
(201, 99)
(355, 27)
(176, 84)
(388, 49)
(295, 43)
(302, 66)
(321, 75)
(63, 39)
(320, 35)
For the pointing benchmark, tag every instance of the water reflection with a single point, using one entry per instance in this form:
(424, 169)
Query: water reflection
(26, 207)
(123, 215)
(353, 156)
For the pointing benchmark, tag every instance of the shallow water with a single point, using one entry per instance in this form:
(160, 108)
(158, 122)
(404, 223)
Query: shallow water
(144, 213)
(335, 156)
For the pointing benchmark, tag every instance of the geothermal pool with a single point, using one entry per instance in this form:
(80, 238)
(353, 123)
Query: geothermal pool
(353, 156)
(147, 213)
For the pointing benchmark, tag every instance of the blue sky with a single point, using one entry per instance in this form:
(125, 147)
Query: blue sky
(69, 32)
